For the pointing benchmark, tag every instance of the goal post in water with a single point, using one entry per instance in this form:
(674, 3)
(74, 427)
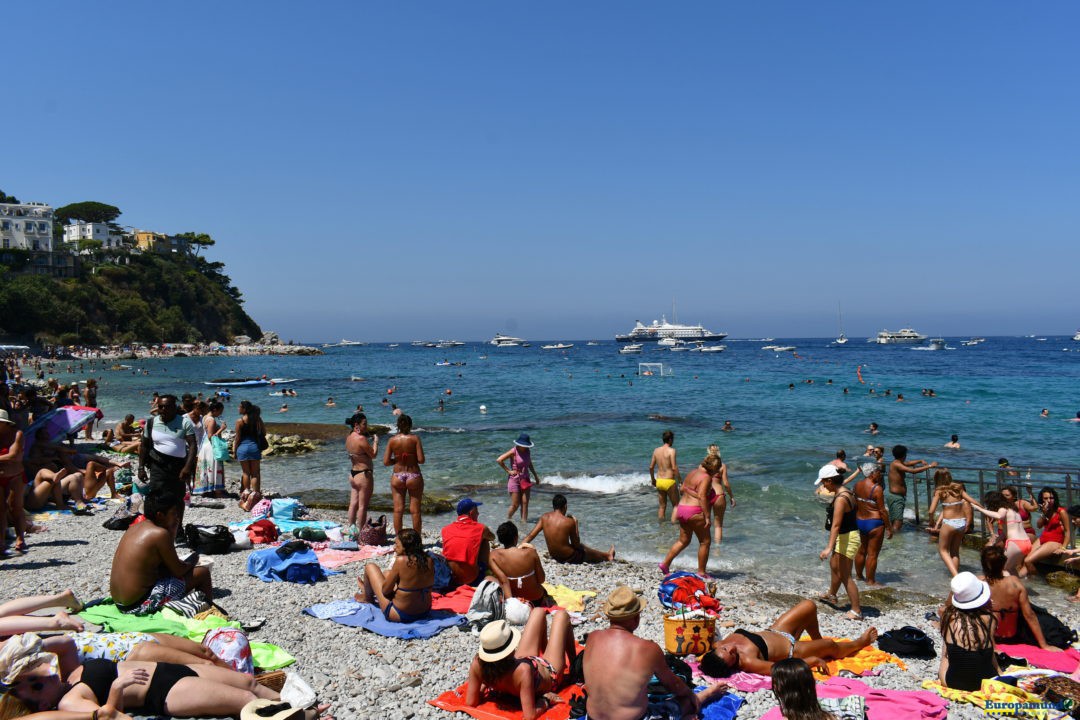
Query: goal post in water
(654, 370)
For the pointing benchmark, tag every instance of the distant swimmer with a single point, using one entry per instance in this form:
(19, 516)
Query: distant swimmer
(284, 408)
(1044, 413)
(664, 472)
(330, 402)
(483, 409)
(840, 461)
(954, 443)
(728, 427)
(1077, 418)
(873, 429)
(899, 397)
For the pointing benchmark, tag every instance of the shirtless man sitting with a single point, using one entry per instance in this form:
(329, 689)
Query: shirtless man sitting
(664, 471)
(518, 568)
(125, 438)
(561, 535)
(146, 573)
(756, 652)
(623, 694)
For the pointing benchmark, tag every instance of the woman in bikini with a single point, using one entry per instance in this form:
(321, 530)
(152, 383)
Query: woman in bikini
(527, 664)
(1017, 543)
(872, 520)
(404, 593)
(1025, 508)
(956, 517)
(721, 488)
(406, 453)
(693, 512)
(361, 473)
(1055, 526)
(12, 482)
(1010, 601)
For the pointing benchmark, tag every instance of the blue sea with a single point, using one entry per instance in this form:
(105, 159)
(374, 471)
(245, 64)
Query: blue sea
(595, 421)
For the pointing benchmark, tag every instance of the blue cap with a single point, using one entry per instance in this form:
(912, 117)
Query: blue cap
(466, 505)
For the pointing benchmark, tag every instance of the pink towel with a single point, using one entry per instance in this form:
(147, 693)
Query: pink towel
(881, 704)
(331, 559)
(1063, 662)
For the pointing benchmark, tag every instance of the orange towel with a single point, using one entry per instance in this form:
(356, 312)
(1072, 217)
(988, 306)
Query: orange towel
(454, 701)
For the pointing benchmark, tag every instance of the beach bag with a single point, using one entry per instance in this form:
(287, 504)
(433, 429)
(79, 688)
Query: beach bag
(907, 641)
(190, 605)
(690, 633)
(221, 448)
(264, 444)
(231, 645)
(262, 532)
(285, 508)
(1063, 691)
(120, 520)
(261, 509)
(487, 604)
(374, 533)
(1055, 632)
(311, 534)
(443, 576)
(209, 539)
(241, 541)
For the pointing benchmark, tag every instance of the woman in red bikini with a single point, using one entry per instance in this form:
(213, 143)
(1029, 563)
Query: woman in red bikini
(1055, 529)
(12, 482)
(406, 453)
(694, 511)
(1010, 600)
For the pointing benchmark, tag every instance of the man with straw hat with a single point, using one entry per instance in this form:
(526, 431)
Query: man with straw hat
(619, 666)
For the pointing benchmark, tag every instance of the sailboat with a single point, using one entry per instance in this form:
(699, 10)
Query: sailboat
(842, 338)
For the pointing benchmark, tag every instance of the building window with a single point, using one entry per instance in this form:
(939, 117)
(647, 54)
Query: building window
(7, 244)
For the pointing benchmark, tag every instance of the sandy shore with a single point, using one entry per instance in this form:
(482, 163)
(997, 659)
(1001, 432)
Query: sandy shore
(368, 676)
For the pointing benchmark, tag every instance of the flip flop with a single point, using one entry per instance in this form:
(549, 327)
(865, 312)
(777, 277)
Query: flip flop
(851, 615)
(826, 598)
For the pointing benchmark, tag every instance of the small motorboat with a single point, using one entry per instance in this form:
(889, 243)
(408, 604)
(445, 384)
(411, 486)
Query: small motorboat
(631, 349)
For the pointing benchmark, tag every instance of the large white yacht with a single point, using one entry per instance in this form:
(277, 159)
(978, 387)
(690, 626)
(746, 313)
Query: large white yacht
(903, 335)
(663, 329)
(501, 340)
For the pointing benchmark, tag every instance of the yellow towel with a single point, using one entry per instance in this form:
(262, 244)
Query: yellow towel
(994, 691)
(866, 659)
(571, 600)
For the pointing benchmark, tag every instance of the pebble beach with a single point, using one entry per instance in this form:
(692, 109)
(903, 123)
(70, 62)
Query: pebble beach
(365, 675)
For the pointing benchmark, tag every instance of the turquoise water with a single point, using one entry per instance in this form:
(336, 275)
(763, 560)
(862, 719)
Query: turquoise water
(594, 424)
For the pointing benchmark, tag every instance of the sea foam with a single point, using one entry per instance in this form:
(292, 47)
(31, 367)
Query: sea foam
(602, 484)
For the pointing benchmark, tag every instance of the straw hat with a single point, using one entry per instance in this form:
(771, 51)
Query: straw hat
(263, 709)
(4, 417)
(497, 640)
(623, 603)
(968, 591)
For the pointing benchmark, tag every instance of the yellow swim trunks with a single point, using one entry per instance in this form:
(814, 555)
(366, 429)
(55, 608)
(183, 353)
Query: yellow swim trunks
(664, 484)
(847, 544)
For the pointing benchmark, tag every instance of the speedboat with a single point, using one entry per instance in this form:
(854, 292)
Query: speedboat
(592, 342)
(709, 348)
(249, 382)
(903, 335)
(631, 349)
(449, 344)
(973, 341)
(501, 340)
(1076, 337)
(664, 329)
(557, 346)
(346, 343)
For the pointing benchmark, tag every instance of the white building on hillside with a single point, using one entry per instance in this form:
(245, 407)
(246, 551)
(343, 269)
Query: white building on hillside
(26, 226)
(80, 230)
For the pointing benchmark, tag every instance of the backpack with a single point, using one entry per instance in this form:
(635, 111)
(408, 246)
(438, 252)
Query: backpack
(121, 520)
(262, 532)
(907, 641)
(209, 539)
(1056, 633)
(486, 605)
(374, 533)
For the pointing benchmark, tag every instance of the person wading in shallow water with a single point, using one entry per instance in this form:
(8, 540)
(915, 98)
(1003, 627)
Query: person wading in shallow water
(664, 472)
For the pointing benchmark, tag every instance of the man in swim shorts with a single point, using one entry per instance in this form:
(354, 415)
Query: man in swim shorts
(756, 652)
(619, 667)
(561, 535)
(898, 472)
(664, 472)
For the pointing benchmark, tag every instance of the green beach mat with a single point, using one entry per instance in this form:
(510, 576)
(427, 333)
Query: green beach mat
(265, 655)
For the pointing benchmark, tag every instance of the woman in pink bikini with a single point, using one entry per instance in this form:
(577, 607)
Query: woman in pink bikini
(694, 510)
(518, 483)
(1017, 543)
(406, 454)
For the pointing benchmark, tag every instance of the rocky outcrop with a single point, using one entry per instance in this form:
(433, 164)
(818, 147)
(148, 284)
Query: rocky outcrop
(289, 445)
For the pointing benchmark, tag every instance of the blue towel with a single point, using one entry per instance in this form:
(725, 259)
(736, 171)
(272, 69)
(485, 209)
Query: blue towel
(302, 566)
(370, 617)
(336, 608)
(723, 708)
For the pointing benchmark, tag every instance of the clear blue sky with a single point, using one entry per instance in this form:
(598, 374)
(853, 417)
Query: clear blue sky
(402, 170)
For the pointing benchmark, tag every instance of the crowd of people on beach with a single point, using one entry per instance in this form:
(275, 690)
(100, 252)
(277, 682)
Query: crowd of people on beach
(183, 445)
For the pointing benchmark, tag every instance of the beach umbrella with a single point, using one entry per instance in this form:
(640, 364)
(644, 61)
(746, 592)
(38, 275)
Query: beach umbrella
(60, 423)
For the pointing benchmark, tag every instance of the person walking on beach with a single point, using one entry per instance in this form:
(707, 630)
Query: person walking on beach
(249, 440)
(694, 512)
(664, 473)
(844, 540)
(561, 535)
(898, 472)
(872, 519)
(517, 483)
(362, 454)
(721, 489)
(406, 453)
(955, 521)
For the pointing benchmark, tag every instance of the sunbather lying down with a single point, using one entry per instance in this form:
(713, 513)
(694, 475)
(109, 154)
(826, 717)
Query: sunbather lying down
(757, 651)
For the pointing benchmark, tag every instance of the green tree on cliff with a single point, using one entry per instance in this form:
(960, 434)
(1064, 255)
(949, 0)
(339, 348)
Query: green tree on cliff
(8, 198)
(89, 211)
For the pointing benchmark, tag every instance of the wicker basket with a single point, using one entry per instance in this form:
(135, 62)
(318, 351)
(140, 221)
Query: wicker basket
(275, 680)
(689, 635)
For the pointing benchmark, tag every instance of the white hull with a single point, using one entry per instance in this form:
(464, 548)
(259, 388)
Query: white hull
(900, 337)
